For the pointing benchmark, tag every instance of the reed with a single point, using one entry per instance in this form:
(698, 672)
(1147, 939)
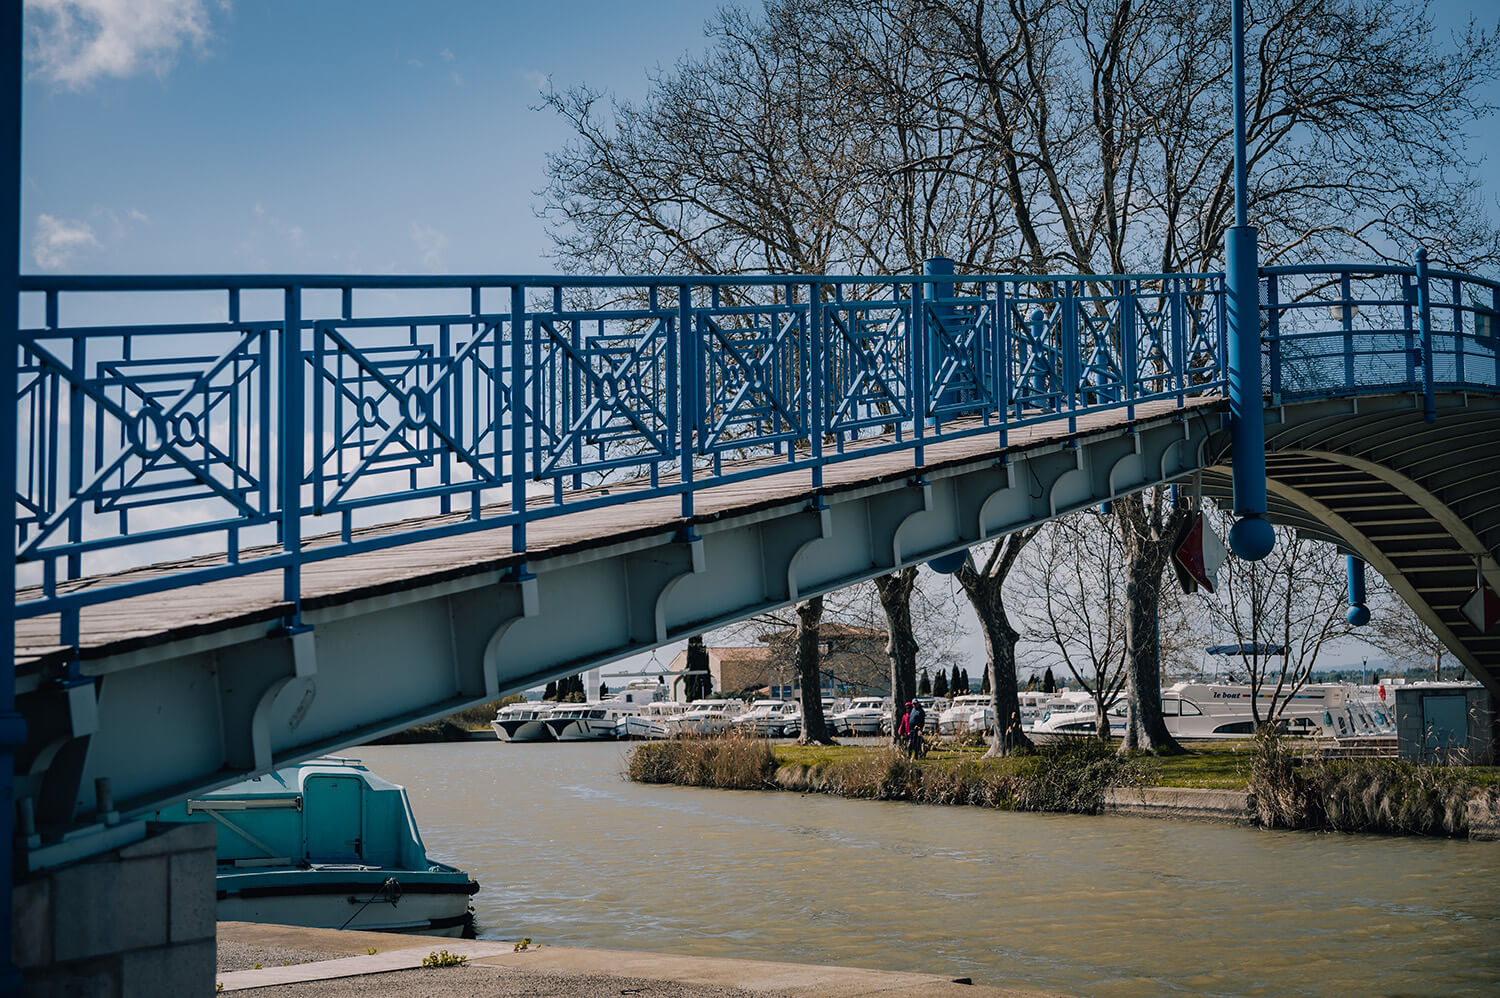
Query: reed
(1359, 795)
(726, 763)
(1067, 777)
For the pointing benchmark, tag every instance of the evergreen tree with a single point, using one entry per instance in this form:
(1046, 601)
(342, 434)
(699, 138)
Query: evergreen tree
(550, 693)
(924, 685)
(603, 690)
(956, 680)
(964, 686)
(984, 682)
(1049, 685)
(940, 688)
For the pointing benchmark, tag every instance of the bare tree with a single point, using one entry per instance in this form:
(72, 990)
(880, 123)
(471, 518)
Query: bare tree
(1147, 524)
(809, 675)
(1398, 632)
(985, 590)
(1292, 601)
(1074, 603)
(895, 592)
(1032, 136)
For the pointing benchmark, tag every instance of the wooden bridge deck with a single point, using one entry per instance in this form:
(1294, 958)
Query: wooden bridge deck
(144, 621)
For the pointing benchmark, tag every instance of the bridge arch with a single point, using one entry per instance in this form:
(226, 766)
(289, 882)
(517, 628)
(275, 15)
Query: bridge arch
(1418, 501)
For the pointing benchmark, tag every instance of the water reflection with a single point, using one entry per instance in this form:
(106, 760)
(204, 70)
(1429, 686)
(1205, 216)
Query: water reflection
(569, 853)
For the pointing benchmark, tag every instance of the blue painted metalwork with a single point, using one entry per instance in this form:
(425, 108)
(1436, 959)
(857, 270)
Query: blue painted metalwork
(277, 436)
(1251, 537)
(12, 725)
(1424, 316)
(1359, 613)
(143, 441)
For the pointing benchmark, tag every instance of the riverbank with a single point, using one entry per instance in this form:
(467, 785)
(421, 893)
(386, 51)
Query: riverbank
(1266, 782)
(297, 961)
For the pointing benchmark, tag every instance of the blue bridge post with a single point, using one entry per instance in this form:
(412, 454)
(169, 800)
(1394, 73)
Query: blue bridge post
(290, 450)
(938, 266)
(1251, 537)
(1359, 613)
(12, 726)
(1424, 324)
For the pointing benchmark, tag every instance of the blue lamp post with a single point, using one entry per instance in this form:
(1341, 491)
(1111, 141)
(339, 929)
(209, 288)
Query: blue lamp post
(1251, 537)
(12, 726)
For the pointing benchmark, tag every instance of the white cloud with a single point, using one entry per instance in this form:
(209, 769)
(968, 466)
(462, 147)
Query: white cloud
(537, 81)
(75, 42)
(447, 55)
(430, 243)
(57, 239)
(139, 216)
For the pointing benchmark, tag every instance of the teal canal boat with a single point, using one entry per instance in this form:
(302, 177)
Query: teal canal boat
(329, 844)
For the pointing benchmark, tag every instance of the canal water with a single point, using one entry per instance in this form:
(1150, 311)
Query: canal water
(569, 853)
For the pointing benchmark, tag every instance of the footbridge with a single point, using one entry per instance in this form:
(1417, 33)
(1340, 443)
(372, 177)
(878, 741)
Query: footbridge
(262, 518)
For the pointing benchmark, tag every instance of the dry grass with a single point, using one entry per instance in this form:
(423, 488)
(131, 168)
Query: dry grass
(1360, 795)
(729, 763)
(1069, 777)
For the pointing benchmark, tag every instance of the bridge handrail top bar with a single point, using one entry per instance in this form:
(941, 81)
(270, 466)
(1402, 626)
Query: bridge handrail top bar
(1375, 270)
(373, 282)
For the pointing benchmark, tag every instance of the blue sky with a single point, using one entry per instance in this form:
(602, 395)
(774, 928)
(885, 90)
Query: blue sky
(269, 135)
(330, 136)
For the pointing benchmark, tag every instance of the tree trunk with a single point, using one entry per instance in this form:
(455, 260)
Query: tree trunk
(1000, 641)
(809, 675)
(901, 645)
(1145, 728)
(698, 681)
(986, 593)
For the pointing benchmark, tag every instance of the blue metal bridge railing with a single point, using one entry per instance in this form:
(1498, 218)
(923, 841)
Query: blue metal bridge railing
(162, 417)
(166, 417)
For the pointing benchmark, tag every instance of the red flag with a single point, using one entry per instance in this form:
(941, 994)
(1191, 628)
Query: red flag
(1201, 553)
(1482, 609)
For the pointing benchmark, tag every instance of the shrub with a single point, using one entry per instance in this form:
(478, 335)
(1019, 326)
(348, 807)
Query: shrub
(1357, 795)
(442, 958)
(728, 763)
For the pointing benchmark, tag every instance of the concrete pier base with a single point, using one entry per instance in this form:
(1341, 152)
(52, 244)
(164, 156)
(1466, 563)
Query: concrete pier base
(133, 921)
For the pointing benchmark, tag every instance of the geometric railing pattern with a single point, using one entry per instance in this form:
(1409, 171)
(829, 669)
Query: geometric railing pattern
(451, 404)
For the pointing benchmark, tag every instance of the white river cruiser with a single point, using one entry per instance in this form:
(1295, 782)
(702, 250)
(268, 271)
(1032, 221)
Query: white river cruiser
(706, 717)
(955, 720)
(770, 719)
(328, 844)
(864, 716)
(596, 720)
(653, 720)
(523, 722)
(1223, 711)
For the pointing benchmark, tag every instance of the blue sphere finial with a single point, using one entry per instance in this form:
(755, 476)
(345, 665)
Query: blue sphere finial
(950, 563)
(1251, 537)
(1358, 615)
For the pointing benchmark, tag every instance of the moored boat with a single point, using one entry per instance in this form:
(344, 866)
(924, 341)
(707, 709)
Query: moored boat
(706, 717)
(594, 721)
(523, 722)
(770, 719)
(955, 720)
(328, 844)
(865, 716)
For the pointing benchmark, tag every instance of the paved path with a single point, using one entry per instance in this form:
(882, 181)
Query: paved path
(497, 968)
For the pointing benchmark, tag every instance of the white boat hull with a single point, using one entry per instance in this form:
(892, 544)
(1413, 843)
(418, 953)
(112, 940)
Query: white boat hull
(358, 899)
(534, 730)
(582, 729)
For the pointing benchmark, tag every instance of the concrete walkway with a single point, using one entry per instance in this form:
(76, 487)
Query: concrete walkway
(566, 970)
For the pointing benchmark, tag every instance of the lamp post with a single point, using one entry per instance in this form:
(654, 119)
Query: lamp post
(1251, 537)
